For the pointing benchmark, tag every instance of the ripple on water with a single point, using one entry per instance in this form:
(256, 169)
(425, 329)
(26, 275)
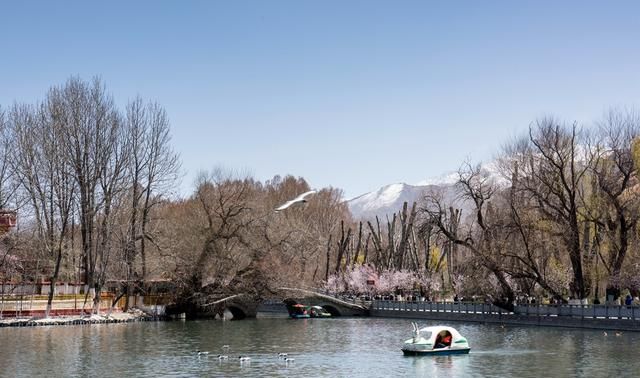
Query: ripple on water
(343, 347)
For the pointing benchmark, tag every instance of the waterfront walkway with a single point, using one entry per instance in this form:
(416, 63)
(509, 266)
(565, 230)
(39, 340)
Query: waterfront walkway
(34, 306)
(575, 316)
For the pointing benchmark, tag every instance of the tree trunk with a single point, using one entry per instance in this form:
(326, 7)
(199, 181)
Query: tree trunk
(52, 282)
(326, 272)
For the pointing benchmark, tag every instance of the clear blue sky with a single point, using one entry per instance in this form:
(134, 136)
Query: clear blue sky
(350, 94)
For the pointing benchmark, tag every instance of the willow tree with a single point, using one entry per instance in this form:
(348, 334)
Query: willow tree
(616, 208)
(225, 203)
(552, 169)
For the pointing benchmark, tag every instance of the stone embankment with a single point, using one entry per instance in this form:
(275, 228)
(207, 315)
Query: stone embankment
(133, 315)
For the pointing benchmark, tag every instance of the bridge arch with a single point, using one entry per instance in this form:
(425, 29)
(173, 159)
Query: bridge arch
(240, 306)
(333, 310)
(335, 306)
(237, 313)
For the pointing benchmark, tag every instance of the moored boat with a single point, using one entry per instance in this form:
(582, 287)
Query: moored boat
(298, 311)
(436, 340)
(319, 312)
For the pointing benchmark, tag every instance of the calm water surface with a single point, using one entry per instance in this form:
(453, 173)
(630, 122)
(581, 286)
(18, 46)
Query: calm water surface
(342, 347)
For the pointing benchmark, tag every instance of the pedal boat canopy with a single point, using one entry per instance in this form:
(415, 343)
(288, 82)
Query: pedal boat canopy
(438, 340)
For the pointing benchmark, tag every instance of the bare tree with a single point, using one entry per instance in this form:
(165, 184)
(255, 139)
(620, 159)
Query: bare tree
(406, 230)
(8, 197)
(531, 258)
(153, 169)
(615, 208)
(8, 182)
(161, 173)
(483, 237)
(91, 128)
(73, 152)
(225, 203)
(343, 245)
(551, 172)
(45, 177)
(112, 183)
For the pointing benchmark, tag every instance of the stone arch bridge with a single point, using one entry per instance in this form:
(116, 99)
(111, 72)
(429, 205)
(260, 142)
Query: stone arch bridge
(246, 306)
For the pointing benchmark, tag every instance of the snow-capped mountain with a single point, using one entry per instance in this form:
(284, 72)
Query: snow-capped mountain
(446, 179)
(385, 201)
(389, 199)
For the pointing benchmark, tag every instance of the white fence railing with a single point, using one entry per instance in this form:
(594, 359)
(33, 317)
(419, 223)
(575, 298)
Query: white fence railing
(579, 311)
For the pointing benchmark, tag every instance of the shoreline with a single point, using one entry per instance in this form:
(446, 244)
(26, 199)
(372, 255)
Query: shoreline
(131, 316)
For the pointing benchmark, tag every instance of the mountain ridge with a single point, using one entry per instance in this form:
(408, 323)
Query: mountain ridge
(389, 199)
(386, 200)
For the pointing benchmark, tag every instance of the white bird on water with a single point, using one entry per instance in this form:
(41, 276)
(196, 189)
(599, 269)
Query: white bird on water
(302, 198)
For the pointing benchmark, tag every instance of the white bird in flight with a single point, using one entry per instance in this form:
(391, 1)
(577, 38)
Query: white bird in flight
(299, 199)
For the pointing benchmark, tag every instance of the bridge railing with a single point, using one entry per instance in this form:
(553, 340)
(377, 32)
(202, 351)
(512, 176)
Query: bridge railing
(463, 307)
(565, 310)
(581, 311)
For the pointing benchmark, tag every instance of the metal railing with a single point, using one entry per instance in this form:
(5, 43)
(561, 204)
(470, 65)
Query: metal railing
(564, 310)
(628, 312)
(461, 307)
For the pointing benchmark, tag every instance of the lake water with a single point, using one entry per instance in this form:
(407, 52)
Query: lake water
(339, 347)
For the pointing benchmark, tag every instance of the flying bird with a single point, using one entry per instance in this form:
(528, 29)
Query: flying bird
(299, 199)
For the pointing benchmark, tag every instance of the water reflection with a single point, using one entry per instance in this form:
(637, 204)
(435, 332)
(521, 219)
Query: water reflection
(344, 347)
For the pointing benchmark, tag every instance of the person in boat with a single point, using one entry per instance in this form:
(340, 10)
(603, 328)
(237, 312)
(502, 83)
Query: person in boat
(438, 342)
(443, 341)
